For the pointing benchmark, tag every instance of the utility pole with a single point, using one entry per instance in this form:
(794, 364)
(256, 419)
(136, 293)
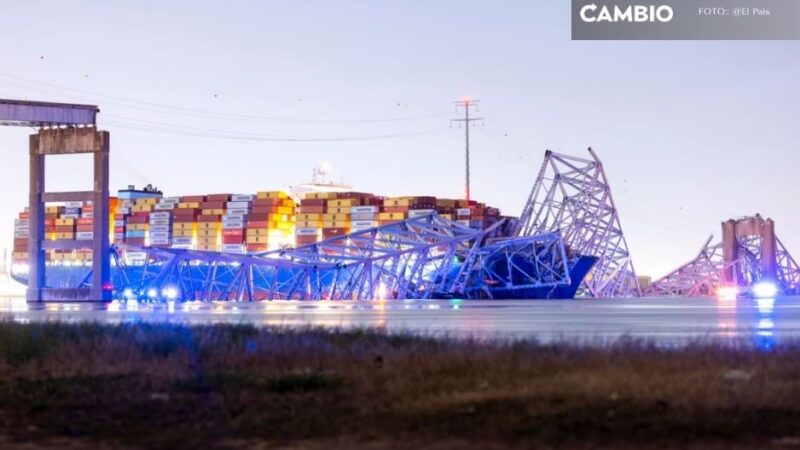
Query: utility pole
(467, 121)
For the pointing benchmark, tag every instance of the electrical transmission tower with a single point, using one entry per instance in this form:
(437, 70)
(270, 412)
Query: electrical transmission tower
(467, 121)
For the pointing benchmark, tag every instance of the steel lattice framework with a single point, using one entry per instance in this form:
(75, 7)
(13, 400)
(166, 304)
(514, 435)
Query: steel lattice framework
(420, 258)
(701, 276)
(517, 264)
(572, 196)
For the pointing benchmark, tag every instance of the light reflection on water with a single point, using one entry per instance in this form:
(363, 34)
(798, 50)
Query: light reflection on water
(762, 322)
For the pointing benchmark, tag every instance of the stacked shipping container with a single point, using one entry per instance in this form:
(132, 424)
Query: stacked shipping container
(240, 223)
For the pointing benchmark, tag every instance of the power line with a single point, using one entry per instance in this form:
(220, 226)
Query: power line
(199, 113)
(467, 121)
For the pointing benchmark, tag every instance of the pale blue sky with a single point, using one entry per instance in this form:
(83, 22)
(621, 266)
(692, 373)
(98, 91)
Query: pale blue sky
(691, 133)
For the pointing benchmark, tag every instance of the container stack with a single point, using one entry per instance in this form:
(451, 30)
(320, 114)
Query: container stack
(185, 222)
(309, 223)
(234, 222)
(209, 222)
(21, 234)
(396, 209)
(271, 223)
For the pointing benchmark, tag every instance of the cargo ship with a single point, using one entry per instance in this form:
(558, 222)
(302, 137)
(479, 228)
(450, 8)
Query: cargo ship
(246, 224)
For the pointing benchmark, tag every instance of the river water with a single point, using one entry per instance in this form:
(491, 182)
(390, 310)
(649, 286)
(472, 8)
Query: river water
(762, 322)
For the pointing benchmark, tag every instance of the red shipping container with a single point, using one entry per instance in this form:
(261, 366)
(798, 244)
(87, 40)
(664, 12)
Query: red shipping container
(84, 228)
(232, 239)
(65, 228)
(137, 220)
(233, 232)
(52, 216)
(184, 219)
(85, 221)
(218, 197)
(24, 215)
(120, 216)
(213, 205)
(119, 229)
(268, 202)
(185, 212)
(193, 199)
(135, 241)
(253, 224)
(264, 210)
(209, 218)
(49, 222)
(396, 209)
(313, 202)
(331, 232)
(310, 210)
(50, 229)
(257, 247)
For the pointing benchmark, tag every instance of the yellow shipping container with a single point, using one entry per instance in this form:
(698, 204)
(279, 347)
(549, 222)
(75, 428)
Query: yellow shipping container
(309, 224)
(183, 226)
(138, 226)
(257, 232)
(50, 236)
(68, 221)
(208, 248)
(391, 216)
(142, 208)
(308, 216)
(213, 212)
(320, 195)
(145, 201)
(340, 210)
(209, 225)
(331, 217)
(336, 224)
(447, 216)
(189, 205)
(208, 233)
(53, 209)
(65, 236)
(272, 194)
(281, 225)
(257, 240)
(183, 233)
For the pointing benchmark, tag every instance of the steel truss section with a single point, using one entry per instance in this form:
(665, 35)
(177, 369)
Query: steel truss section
(517, 264)
(572, 196)
(701, 276)
(416, 258)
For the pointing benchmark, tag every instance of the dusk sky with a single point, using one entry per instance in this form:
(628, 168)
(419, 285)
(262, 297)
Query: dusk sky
(198, 94)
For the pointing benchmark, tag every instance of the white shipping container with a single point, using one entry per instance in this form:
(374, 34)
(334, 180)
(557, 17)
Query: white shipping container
(182, 240)
(119, 223)
(166, 222)
(119, 236)
(239, 211)
(363, 224)
(70, 216)
(463, 222)
(420, 212)
(235, 205)
(84, 235)
(306, 231)
(123, 210)
(463, 212)
(232, 248)
(21, 234)
(159, 229)
(232, 225)
(172, 200)
(21, 222)
(160, 215)
(87, 215)
(182, 246)
(21, 228)
(73, 204)
(158, 235)
(364, 216)
(159, 241)
(233, 218)
(163, 206)
(243, 197)
(364, 209)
